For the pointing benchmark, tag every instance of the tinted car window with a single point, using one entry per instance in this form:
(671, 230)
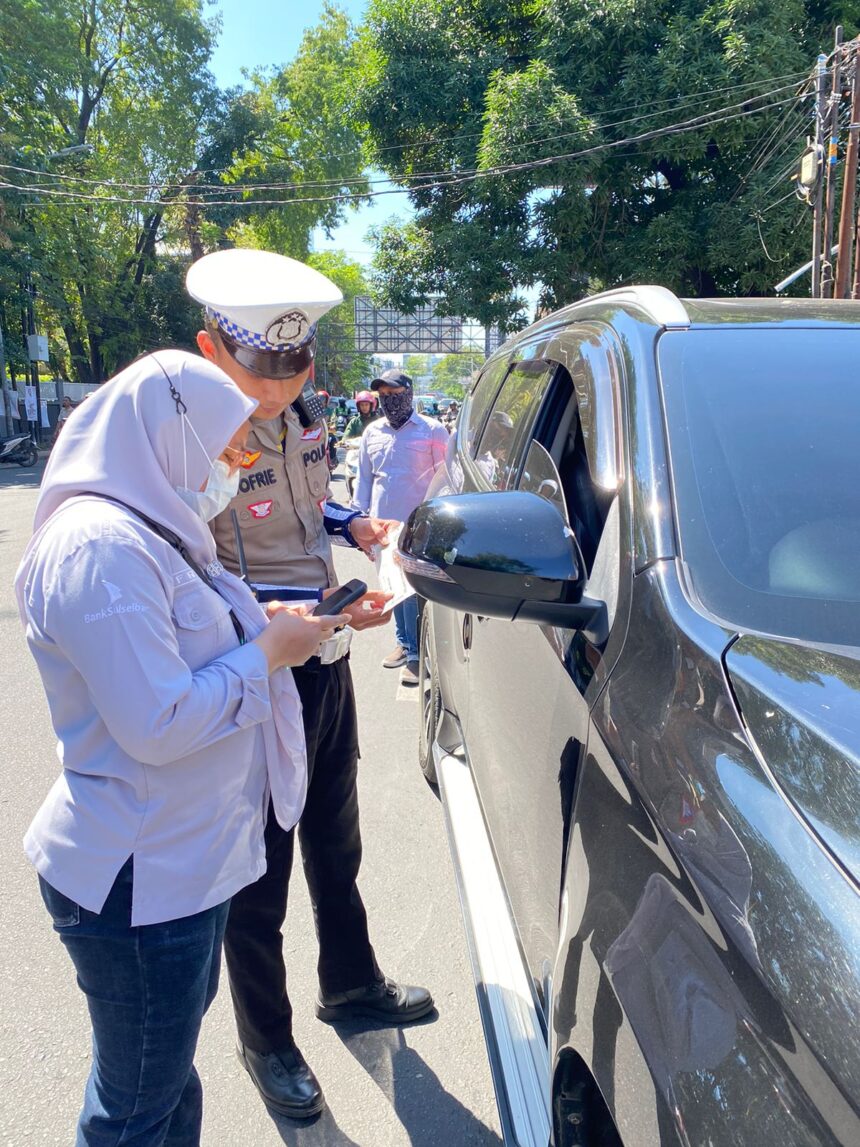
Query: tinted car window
(763, 437)
(540, 476)
(477, 402)
(509, 425)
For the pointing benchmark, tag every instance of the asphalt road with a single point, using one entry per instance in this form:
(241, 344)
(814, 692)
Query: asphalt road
(424, 1085)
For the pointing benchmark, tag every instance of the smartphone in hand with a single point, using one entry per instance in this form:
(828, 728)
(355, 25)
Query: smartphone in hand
(342, 597)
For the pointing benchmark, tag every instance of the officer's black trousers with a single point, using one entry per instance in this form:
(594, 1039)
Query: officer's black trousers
(331, 853)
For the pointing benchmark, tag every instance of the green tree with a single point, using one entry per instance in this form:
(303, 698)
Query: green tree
(450, 92)
(417, 366)
(170, 168)
(306, 138)
(129, 83)
(338, 367)
(453, 373)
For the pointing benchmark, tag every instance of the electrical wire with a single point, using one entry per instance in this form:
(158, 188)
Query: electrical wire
(244, 188)
(709, 119)
(456, 179)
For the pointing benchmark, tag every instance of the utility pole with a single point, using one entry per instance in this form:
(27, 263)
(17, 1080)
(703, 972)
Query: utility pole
(849, 189)
(30, 324)
(5, 388)
(818, 210)
(832, 159)
(855, 288)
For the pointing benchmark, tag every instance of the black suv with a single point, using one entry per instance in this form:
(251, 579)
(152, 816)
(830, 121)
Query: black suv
(641, 685)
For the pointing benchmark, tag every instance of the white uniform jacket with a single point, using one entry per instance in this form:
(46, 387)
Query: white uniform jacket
(165, 723)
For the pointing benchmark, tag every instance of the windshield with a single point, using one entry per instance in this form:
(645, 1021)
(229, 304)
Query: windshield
(764, 441)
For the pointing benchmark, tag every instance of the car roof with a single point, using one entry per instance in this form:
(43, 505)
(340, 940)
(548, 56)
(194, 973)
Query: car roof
(765, 311)
(661, 307)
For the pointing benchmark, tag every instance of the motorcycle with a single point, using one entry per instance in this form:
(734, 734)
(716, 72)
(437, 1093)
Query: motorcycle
(333, 439)
(351, 468)
(20, 449)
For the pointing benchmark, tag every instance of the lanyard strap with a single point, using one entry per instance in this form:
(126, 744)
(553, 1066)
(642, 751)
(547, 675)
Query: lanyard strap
(177, 543)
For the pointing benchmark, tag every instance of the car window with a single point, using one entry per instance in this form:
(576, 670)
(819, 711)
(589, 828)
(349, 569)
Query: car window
(763, 427)
(540, 476)
(510, 423)
(477, 403)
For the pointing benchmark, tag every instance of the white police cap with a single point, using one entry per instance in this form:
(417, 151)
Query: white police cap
(262, 302)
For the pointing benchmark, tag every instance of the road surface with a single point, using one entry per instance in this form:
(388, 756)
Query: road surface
(424, 1085)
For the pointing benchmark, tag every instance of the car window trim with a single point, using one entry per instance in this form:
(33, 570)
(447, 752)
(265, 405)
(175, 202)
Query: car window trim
(531, 362)
(599, 406)
(489, 365)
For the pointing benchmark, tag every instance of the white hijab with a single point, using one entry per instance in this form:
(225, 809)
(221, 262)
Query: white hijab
(126, 442)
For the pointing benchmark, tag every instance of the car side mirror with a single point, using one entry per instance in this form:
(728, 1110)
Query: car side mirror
(506, 554)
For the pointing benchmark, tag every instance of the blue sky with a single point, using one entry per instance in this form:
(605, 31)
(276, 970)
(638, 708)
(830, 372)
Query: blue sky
(260, 33)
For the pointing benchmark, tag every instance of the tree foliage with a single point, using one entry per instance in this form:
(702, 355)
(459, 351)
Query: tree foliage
(307, 138)
(452, 374)
(337, 367)
(448, 88)
(129, 83)
(169, 171)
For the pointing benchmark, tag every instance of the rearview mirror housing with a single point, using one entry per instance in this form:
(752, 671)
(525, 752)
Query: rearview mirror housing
(505, 554)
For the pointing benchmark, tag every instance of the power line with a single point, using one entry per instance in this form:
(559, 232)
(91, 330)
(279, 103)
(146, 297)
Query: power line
(452, 178)
(455, 179)
(244, 188)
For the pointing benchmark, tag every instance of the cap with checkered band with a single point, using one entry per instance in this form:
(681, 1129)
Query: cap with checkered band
(264, 307)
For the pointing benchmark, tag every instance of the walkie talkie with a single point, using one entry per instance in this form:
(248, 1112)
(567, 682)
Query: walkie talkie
(309, 406)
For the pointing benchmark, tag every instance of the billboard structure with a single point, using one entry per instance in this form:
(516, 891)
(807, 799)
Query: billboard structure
(382, 330)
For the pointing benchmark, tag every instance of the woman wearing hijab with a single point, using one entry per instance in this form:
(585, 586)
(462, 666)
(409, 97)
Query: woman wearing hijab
(176, 717)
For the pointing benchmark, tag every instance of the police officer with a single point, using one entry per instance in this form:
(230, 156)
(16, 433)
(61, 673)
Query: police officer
(260, 328)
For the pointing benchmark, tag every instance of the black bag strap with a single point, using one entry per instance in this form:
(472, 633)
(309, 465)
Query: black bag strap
(177, 543)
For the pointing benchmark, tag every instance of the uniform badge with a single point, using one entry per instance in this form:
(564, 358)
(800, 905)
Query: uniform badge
(249, 459)
(312, 434)
(261, 509)
(287, 329)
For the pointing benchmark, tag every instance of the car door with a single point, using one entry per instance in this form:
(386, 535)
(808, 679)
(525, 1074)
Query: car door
(532, 685)
(452, 628)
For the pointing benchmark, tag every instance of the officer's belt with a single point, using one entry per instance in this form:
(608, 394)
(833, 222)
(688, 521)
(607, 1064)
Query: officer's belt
(336, 646)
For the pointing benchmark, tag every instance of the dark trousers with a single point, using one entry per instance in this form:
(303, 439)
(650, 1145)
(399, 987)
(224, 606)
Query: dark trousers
(148, 988)
(331, 853)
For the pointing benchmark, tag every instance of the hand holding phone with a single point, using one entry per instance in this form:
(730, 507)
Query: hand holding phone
(342, 597)
(291, 636)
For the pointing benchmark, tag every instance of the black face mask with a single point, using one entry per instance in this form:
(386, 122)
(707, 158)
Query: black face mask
(397, 407)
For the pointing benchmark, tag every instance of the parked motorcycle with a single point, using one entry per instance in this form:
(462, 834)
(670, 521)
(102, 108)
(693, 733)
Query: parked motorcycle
(20, 449)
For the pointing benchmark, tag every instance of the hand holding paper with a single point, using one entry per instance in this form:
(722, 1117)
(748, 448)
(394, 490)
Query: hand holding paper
(389, 572)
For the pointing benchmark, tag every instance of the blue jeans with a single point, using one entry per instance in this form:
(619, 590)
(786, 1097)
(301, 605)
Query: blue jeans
(147, 990)
(406, 626)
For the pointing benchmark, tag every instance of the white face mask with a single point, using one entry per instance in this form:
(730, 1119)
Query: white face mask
(221, 488)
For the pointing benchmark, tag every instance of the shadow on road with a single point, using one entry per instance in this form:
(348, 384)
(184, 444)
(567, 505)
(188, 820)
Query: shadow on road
(320, 1132)
(26, 478)
(429, 1113)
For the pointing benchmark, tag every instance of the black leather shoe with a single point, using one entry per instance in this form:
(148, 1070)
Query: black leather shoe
(385, 1001)
(284, 1080)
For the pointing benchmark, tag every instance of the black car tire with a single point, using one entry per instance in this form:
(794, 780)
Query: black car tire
(430, 697)
(31, 457)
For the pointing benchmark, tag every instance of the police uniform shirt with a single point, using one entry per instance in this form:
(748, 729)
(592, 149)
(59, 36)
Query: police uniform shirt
(282, 491)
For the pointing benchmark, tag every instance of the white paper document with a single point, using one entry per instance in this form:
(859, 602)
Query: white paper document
(389, 572)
